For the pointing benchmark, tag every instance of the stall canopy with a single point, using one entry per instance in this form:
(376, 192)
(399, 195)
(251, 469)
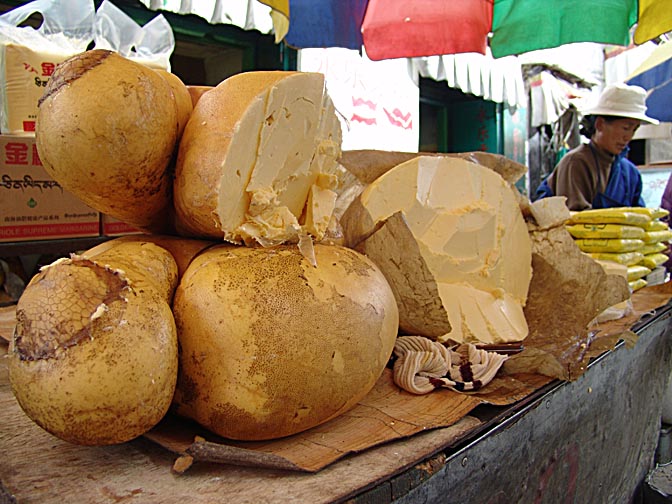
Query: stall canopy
(655, 75)
(389, 29)
(400, 28)
(654, 19)
(266, 17)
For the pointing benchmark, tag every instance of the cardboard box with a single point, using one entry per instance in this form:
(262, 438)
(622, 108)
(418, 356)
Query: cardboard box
(109, 226)
(33, 206)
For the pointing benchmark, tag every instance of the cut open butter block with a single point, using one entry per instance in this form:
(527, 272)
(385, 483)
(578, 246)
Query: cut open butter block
(257, 161)
(450, 238)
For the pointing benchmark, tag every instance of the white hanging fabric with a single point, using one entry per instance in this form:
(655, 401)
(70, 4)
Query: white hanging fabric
(246, 14)
(499, 80)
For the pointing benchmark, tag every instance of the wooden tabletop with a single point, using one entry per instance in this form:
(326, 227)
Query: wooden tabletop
(36, 467)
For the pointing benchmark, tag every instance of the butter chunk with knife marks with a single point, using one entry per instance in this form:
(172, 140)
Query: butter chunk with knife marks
(257, 149)
(467, 233)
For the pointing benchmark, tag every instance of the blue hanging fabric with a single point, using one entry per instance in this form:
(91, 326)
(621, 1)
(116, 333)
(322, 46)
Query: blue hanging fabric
(326, 23)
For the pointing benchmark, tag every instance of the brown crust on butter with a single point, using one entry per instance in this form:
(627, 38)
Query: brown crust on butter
(40, 335)
(72, 69)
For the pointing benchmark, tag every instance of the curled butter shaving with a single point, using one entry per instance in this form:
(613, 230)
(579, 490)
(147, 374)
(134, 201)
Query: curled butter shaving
(423, 365)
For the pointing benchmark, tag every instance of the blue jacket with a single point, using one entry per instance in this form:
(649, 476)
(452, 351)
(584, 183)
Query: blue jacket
(624, 188)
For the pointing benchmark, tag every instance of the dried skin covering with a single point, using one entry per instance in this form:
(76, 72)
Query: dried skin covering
(415, 288)
(47, 325)
(271, 345)
(568, 290)
(146, 265)
(183, 250)
(94, 356)
(106, 130)
(195, 92)
(182, 97)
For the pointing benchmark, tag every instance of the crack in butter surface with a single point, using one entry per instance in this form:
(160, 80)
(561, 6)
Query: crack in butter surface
(52, 318)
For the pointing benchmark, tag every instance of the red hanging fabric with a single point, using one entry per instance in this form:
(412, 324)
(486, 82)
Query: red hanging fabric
(405, 28)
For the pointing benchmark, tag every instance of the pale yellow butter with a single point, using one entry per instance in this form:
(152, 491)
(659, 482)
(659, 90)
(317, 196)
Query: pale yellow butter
(472, 237)
(285, 145)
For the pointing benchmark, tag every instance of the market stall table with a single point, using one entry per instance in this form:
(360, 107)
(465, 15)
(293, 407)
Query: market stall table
(589, 440)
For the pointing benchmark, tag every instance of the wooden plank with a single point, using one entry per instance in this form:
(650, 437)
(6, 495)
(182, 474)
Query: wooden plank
(38, 468)
(387, 413)
(7, 322)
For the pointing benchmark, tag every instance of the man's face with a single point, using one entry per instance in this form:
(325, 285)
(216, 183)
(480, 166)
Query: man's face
(614, 135)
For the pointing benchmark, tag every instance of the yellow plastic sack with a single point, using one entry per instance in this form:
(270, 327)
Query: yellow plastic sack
(634, 216)
(605, 231)
(637, 271)
(654, 213)
(652, 261)
(656, 225)
(637, 284)
(625, 258)
(653, 248)
(609, 245)
(657, 236)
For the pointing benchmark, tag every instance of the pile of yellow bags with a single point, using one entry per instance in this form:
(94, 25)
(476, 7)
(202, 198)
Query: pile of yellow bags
(633, 236)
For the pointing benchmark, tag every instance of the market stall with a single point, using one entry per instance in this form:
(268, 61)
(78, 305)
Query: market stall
(289, 320)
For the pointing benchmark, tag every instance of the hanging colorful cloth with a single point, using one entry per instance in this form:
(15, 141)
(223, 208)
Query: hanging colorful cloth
(519, 26)
(279, 16)
(326, 23)
(399, 28)
(389, 29)
(654, 19)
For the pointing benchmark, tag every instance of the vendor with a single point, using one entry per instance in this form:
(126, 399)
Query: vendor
(598, 174)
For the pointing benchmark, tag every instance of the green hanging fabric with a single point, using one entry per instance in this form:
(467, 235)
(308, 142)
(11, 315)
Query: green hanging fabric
(520, 26)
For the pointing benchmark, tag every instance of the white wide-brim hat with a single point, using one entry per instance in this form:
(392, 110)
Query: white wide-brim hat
(622, 100)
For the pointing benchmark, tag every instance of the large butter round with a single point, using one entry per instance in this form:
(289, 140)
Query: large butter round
(257, 160)
(93, 359)
(271, 345)
(106, 131)
(452, 242)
